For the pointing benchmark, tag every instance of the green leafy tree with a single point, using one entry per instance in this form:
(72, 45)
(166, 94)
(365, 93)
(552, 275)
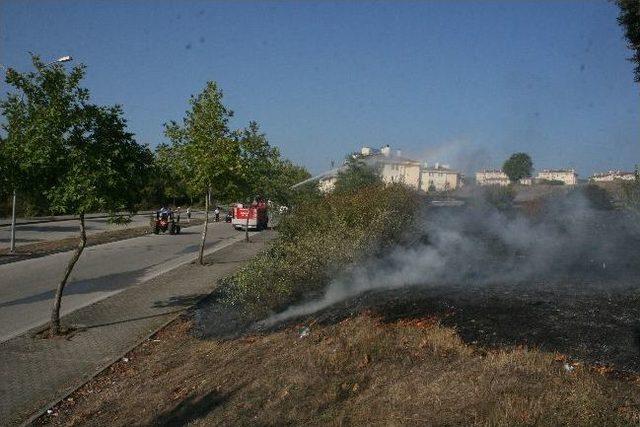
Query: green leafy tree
(167, 170)
(259, 159)
(356, 175)
(34, 120)
(629, 19)
(518, 166)
(6, 181)
(269, 175)
(78, 154)
(208, 157)
(288, 174)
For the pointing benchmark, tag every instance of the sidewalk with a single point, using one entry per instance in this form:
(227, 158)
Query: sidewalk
(37, 373)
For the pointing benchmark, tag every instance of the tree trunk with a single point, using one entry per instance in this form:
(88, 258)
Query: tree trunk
(204, 227)
(55, 312)
(246, 227)
(12, 246)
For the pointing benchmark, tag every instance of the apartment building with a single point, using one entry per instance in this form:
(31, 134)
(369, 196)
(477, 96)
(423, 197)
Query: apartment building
(439, 178)
(491, 177)
(612, 176)
(394, 168)
(497, 177)
(567, 176)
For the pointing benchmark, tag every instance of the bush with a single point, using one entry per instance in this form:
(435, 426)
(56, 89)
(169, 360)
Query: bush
(550, 182)
(357, 175)
(499, 197)
(631, 194)
(319, 238)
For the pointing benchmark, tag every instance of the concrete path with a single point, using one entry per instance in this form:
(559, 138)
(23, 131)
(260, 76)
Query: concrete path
(27, 287)
(37, 373)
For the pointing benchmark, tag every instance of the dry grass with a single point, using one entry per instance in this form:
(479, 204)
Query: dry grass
(359, 371)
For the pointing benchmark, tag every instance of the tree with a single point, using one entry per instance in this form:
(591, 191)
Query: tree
(287, 174)
(270, 175)
(518, 166)
(78, 154)
(356, 175)
(207, 156)
(629, 20)
(167, 172)
(259, 158)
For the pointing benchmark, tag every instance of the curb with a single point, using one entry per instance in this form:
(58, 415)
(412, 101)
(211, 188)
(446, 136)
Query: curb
(101, 368)
(28, 256)
(71, 218)
(58, 219)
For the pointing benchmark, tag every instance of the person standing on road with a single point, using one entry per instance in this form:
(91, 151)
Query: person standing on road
(217, 214)
(189, 214)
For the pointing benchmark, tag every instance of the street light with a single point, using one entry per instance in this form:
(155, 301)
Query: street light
(12, 248)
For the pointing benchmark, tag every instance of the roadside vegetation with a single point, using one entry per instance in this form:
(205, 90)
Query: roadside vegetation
(207, 159)
(62, 154)
(631, 193)
(322, 235)
(77, 155)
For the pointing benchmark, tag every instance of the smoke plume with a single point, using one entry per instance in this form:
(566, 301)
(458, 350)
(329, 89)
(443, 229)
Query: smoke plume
(476, 245)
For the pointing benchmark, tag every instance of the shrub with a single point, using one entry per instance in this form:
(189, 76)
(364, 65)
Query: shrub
(501, 198)
(356, 175)
(550, 182)
(631, 193)
(318, 239)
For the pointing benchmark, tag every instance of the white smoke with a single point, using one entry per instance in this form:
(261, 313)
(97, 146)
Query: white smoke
(482, 245)
(462, 154)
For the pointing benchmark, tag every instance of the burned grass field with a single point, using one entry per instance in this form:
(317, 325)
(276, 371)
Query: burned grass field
(562, 277)
(585, 323)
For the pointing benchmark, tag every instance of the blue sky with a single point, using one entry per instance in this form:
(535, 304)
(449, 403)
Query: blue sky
(465, 83)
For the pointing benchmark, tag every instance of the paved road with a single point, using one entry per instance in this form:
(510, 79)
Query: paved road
(27, 287)
(56, 230)
(6, 221)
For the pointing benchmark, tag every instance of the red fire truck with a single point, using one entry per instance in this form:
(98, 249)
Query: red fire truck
(256, 214)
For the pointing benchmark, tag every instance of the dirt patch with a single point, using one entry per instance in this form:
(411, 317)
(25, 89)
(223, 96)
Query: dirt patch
(35, 250)
(363, 370)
